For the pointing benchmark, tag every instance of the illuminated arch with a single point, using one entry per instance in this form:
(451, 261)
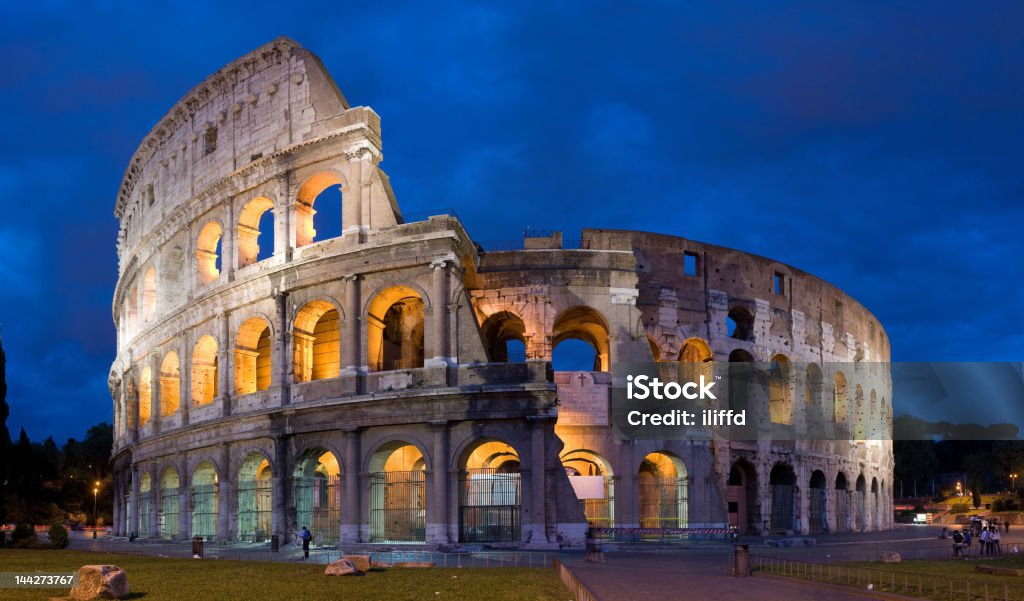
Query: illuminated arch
(249, 231)
(145, 395)
(696, 361)
(305, 232)
(149, 295)
(840, 398)
(255, 498)
(205, 500)
(204, 371)
(398, 495)
(780, 393)
(317, 495)
(395, 329)
(586, 324)
(253, 356)
(169, 503)
(592, 479)
(498, 330)
(317, 342)
(170, 384)
(663, 488)
(208, 253)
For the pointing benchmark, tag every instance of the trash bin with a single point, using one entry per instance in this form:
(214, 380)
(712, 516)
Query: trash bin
(275, 543)
(741, 560)
(197, 546)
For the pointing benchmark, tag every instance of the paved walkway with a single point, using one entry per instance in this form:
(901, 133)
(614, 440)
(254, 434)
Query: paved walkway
(694, 574)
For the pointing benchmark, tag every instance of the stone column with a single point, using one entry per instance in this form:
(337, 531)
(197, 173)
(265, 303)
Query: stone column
(228, 241)
(284, 218)
(116, 493)
(154, 391)
(224, 495)
(533, 499)
(279, 482)
(438, 530)
(224, 364)
(353, 330)
(439, 317)
(155, 500)
(185, 378)
(133, 502)
(283, 361)
(184, 496)
(352, 205)
(350, 508)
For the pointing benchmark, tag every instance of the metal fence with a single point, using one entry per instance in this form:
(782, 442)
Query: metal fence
(885, 580)
(397, 507)
(489, 507)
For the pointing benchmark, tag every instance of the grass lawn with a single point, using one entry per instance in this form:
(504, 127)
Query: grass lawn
(918, 578)
(157, 579)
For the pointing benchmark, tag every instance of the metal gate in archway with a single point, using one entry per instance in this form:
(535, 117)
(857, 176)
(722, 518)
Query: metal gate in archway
(489, 506)
(862, 513)
(168, 518)
(782, 507)
(145, 511)
(204, 510)
(254, 510)
(662, 502)
(842, 511)
(318, 507)
(397, 507)
(818, 511)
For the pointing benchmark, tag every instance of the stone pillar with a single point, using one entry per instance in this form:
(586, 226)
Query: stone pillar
(227, 242)
(626, 491)
(133, 502)
(155, 500)
(224, 364)
(284, 217)
(224, 495)
(352, 205)
(533, 499)
(438, 530)
(279, 482)
(116, 493)
(185, 378)
(350, 508)
(184, 496)
(439, 317)
(283, 360)
(351, 360)
(803, 492)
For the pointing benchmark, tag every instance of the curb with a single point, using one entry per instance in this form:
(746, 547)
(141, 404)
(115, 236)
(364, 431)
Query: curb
(839, 588)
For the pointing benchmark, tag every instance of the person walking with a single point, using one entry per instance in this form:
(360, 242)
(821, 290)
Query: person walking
(958, 543)
(306, 536)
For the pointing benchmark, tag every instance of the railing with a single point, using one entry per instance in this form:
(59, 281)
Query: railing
(579, 591)
(923, 586)
(424, 215)
(664, 535)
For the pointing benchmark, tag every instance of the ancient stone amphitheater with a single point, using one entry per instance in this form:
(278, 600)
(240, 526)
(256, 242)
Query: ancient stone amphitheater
(393, 383)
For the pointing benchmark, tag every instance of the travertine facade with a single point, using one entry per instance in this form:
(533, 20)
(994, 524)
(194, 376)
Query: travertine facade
(368, 385)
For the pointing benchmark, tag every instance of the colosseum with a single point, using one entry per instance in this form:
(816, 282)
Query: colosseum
(384, 378)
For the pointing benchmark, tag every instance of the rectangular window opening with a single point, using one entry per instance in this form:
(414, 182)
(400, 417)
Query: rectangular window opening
(210, 141)
(689, 263)
(780, 284)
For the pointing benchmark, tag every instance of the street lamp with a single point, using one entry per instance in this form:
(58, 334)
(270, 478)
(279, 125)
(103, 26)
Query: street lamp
(95, 491)
(1013, 478)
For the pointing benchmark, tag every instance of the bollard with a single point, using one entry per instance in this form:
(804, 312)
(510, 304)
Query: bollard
(741, 560)
(197, 546)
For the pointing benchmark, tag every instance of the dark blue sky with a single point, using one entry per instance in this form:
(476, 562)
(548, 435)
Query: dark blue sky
(877, 145)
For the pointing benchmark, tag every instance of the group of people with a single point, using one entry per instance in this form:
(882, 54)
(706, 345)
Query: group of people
(989, 541)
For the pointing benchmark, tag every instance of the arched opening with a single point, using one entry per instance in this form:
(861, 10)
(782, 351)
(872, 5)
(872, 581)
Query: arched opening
(812, 399)
(205, 500)
(818, 512)
(169, 503)
(876, 511)
(145, 503)
(170, 384)
(861, 497)
(324, 184)
(843, 523)
(782, 482)
(858, 412)
(739, 323)
(780, 390)
(741, 379)
(149, 295)
(588, 326)
(695, 361)
(873, 420)
(208, 253)
(256, 231)
(395, 330)
(662, 491)
(591, 478)
(840, 398)
(145, 395)
(253, 356)
(255, 499)
(655, 350)
(317, 494)
(131, 304)
(742, 499)
(204, 371)
(317, 336)
(489, 494)
(505, 335)
(398, 496)
(173, 290)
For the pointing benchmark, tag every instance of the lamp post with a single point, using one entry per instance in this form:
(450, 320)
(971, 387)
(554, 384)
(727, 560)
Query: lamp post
(95, 492)
(1013, 478)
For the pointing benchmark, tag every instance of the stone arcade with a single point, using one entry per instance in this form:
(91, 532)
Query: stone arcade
(393, 383)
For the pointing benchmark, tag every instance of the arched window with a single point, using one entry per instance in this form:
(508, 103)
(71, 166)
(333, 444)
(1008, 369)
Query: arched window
(739, 323)
(145, 395)
(208, 253)
(255, 499)
(317, 495)
(662, 491)
(398, 494)
(204, 371)
(812, 395)
(309, 196)
(782, 481)
(149, 295)
(317, 342)
(395, 330)
(170, 384)
(586, 325)
(205, 500)
(253, 356)
(840, 398)
(780, 399)
(489, 493)
(169, 503)
(591, 478)
(695, 361)
(505, 332)
(255, 231)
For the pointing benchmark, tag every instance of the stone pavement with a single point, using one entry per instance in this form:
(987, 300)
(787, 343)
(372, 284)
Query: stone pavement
(693, 574)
